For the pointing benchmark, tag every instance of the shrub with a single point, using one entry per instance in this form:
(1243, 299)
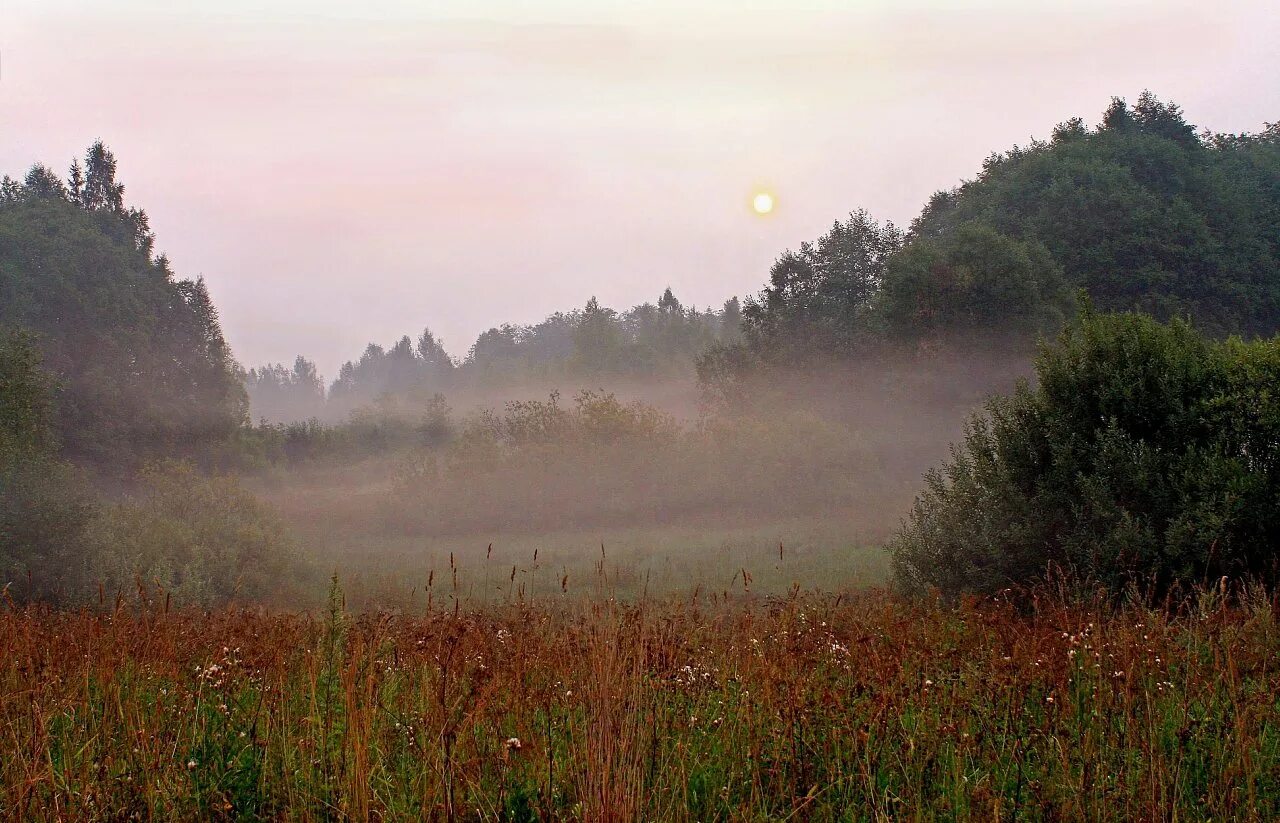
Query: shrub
(203, 539)
(597, 420)
(1145, 454)
(45, 507)
(46, 543)
(539, 465)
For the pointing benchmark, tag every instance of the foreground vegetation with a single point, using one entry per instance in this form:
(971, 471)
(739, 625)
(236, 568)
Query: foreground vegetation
(816, 707)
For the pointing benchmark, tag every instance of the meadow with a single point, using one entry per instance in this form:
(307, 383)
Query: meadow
(586, 706)
(805, 488)
(393, 571)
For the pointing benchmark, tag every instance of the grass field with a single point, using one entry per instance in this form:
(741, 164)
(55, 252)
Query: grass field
(624, 562)
(808, 706)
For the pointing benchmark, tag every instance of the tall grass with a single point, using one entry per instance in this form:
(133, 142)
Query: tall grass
(819, 707)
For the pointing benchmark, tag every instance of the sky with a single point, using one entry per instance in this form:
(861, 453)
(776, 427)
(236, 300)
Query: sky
(341, 173)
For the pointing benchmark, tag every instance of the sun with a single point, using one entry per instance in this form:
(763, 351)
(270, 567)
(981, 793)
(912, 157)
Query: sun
(762, 202)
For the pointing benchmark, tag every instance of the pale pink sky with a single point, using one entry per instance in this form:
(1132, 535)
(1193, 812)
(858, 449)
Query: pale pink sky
(341, 176)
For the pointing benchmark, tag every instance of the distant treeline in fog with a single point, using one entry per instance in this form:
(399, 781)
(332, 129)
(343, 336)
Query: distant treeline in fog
(594, 342)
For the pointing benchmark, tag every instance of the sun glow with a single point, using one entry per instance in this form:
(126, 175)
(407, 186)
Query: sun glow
(762, 202)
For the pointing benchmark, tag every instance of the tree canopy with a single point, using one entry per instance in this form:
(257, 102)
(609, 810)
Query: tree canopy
(1141, 213)
(138, 353)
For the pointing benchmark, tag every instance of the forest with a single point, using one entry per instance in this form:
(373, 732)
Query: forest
(971, 517)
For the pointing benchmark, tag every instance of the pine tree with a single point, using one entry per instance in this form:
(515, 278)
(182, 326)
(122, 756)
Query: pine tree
(101, 191)
(75, 182)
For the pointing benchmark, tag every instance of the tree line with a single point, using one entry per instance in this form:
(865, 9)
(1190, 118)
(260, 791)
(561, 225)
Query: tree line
(1142, 212)
(648, 340)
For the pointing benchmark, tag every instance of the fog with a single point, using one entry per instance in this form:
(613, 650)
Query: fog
(800, 480)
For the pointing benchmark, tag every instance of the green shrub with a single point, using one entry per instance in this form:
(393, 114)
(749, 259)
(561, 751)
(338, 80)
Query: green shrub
(46, 544)
(1146, 454)
(45, 506)
(205, 540)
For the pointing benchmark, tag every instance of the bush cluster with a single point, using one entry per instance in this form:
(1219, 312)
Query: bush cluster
(1146, 454)
(204, 540)
(539, 464)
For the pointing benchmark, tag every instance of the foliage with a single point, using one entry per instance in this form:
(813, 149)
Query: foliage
(971, 280)
(819, 298)
(595, 342)
(537, 465)
(281, 394)
(1142, 213)
(141, 362)
(1146, 454)
(390, 424)
(203, 540)
(26, 397)
(45, 507)
(529, 433)
(404, 368)
(47, 539)
(597, 418)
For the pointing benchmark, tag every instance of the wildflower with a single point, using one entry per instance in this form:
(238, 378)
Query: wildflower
(191, 764)
(512, 744)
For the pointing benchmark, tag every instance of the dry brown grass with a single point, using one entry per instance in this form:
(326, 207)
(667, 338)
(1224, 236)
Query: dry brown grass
(804, 707)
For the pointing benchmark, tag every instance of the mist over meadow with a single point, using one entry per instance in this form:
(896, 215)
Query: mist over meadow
(782, 434)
